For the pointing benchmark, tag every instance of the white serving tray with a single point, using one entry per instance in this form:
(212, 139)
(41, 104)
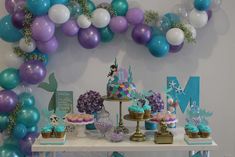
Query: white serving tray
(52, 141)
(198, 141)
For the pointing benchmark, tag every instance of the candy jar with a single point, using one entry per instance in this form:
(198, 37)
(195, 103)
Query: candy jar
(103, 122)
(115, 135)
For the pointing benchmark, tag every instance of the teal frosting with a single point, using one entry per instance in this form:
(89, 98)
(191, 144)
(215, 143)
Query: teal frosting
(147, 107)
(188, 126)
(136, 108)
(193, 129)
(204, 128)
(47, 129)
(60, 128)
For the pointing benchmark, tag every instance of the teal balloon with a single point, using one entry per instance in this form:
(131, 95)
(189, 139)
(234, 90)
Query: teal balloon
(91, 6)
(74, 8)
(11, 141)
(29, 116)
(32, 129)
(156, 31)
(10, 151)
(26, 99)
(19, 131)
(106, 34)
(9, 78)
(202, 5)
(38, 7)
(158, 46)
(168, 21)
(53, 2)
(8, 31)
(4, 121)
(120, 7)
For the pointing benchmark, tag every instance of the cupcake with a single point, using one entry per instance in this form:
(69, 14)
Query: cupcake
(131, 110)
(59, 131)
(147, 111)
(204, 130)
(46, 131)
(193, 132)
(139, 113)
(187, 128)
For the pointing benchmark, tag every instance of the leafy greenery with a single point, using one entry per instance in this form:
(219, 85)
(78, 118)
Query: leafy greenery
(187, 33)
(28, 56)
(84, 6)
(27, 26)
(12, 119)
(151, 17)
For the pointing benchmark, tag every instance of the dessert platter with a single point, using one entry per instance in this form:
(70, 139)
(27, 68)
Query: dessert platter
(79, 121)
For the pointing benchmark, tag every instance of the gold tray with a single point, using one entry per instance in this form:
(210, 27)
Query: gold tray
(115, 100)
(127, 117)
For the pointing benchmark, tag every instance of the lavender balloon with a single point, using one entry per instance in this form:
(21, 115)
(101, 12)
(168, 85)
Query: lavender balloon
(8, 101)
(135, 16)
(176, 48)
(32, 72)
(118, 24)
(70, 28)
(49, 46)
(209, 14)
(43, 28)
(11, 4)
(18, 19)
(89, 38)
(141, 34)
(26, 143)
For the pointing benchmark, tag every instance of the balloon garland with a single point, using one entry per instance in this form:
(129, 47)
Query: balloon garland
(32, 24)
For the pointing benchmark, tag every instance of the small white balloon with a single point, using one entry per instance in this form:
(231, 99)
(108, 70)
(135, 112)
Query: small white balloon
(83, 21)
(175, 36)
(100, 18)
(198, 18)
(12, 60)
(27, 47)
(215, 5)
(181, 11)
(59, 14)
(192, 30)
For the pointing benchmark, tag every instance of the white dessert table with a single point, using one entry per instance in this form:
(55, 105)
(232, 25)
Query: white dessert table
(93, 144)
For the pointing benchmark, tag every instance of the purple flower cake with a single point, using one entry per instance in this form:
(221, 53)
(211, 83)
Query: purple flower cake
(120, 83)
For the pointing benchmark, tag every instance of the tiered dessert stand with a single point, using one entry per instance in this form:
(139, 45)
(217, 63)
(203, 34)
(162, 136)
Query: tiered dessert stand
(121, 123)
(138, 136)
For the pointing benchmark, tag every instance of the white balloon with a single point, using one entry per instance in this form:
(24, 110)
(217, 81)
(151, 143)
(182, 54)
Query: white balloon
(83, 21)
(181, 11)
(175, 36)
(59, 13)
(27, 47)
(215, 5)
(12, 60)
(192, 30)
(198, 18)
(100, 18)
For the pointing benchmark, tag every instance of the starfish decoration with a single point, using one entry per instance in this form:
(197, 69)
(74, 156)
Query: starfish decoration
(179, 90)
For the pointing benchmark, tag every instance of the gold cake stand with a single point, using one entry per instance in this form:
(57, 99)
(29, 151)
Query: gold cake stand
(138, 136)
(121, 124)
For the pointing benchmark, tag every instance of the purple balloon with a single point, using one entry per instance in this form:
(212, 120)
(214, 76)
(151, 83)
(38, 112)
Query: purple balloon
(176, 48)
(135, 16)
(49, 46)
(18, 19)
(70, 28)
(89, 38)
(8, 101)
(20, 6)
(209, 14)
(43, 28)
(141, 34)
(26, 143)
(10, 5)
(118, 24)
(33, 72)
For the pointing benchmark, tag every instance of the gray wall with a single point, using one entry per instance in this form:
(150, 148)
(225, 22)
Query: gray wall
(212, 58)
